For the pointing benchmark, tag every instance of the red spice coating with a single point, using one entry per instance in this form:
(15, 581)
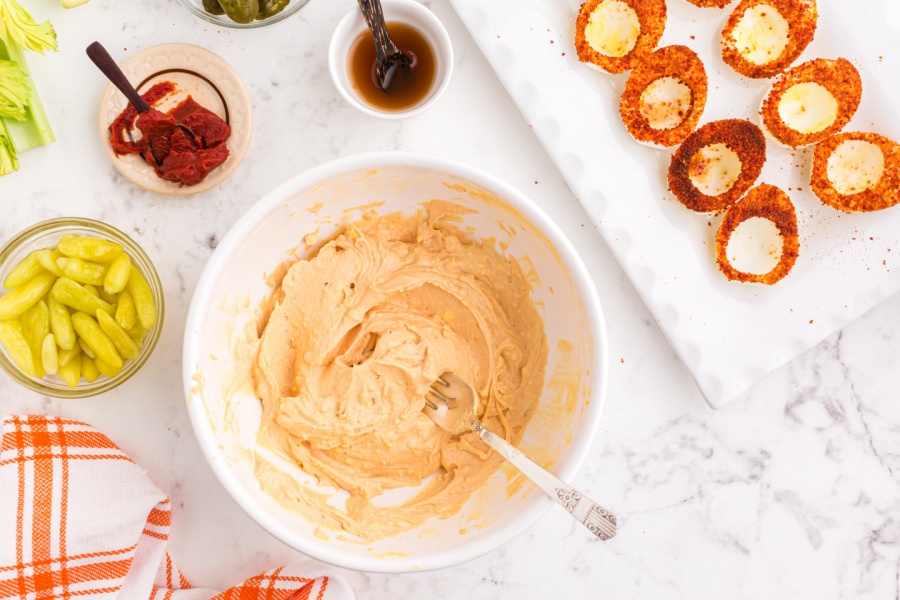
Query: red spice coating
(839, 77)
(801, 16)
(884, 194)
(711, 3)
(767, 202)
(743, 137)
(670, 61)
(652, 17)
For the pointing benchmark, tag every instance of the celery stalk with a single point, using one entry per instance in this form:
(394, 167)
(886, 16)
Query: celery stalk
(8, 160)
(21, 127)
(35, 129)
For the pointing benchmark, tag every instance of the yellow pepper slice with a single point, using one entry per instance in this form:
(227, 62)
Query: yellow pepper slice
(89, 248)
(117, 275)
(23, 297)
(126, 314)
(66, 355)
(89, 369)
(137, 333)
(92, 335)
(16, 346)
(143, 299)
(119, 336)
(71, 371)
(49, 260)
(83, 271)
(107, 369)
(110, 298)
(27, 268)
(50, 355)
(86, 349)
(67, 292)
(61, 324)
(35, 327)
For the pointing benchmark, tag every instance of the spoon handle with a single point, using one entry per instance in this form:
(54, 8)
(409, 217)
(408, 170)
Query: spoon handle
(371, 10)
(597, 519)
(98, 54)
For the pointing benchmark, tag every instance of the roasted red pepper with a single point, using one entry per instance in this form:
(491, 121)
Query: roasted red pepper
(183, 145)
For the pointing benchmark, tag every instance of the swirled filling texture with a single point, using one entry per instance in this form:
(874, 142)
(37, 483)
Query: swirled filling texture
(357, 335)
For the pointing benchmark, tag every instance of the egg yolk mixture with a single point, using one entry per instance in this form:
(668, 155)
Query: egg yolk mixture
(356, 336)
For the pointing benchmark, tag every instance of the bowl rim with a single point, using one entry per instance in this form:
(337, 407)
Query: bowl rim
(581, 280)
(139, 256)
(224, 21)
(349, 28)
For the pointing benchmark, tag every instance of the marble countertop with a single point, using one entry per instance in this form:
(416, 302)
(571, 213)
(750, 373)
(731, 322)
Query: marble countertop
(790, 492)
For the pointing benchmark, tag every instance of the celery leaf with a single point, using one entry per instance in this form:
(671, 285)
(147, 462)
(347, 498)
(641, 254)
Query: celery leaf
(17, 26)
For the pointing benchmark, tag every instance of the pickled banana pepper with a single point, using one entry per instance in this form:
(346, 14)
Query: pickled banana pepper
(80, 309)
(183, 145)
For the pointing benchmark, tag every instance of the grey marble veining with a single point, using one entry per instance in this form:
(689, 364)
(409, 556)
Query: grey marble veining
(791, 492)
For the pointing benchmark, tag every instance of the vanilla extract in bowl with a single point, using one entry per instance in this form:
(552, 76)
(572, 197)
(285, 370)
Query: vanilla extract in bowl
(409, 86)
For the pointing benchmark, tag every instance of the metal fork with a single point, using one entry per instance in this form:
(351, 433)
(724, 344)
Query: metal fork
(451, 405)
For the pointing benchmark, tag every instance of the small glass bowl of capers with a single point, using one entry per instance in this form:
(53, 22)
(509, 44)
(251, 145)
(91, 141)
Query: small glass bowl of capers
(81, 307)
(243, 14)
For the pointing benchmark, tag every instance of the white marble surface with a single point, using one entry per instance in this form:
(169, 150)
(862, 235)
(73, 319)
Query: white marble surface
(791, 492)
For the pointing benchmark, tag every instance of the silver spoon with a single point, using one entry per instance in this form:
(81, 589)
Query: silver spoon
(451, 404)
(388, 56)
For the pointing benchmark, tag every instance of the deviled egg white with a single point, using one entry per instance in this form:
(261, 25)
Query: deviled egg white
(613, 35)
(857, 172)
(716, 164)
(811, 102)
(763, 37)
(758, 240)
(664, 97)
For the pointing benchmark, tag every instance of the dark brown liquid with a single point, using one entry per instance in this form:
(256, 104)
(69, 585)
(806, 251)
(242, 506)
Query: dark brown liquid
(408, 87)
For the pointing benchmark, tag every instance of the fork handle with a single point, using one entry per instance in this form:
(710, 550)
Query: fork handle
(597, 519)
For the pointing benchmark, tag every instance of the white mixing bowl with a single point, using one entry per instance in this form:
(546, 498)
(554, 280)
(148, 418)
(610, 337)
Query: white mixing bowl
(226, 414)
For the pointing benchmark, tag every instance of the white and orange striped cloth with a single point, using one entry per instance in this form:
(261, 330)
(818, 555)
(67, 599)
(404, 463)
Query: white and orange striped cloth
(80, 520)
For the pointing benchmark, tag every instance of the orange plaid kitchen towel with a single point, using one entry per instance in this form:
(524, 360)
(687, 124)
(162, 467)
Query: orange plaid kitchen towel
(80, 520)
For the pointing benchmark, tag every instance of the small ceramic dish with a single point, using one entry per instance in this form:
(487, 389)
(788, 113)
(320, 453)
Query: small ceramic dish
(395, 11)
(196, 8)
(196, 72)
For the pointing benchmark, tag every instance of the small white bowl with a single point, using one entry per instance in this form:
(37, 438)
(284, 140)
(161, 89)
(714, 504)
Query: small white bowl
(403, 11)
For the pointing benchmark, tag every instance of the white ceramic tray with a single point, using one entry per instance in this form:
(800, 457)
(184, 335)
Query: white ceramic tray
(729, 335)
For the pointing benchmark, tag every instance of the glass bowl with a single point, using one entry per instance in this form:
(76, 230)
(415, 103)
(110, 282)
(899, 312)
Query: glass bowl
(196, 8)
(47, 235)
